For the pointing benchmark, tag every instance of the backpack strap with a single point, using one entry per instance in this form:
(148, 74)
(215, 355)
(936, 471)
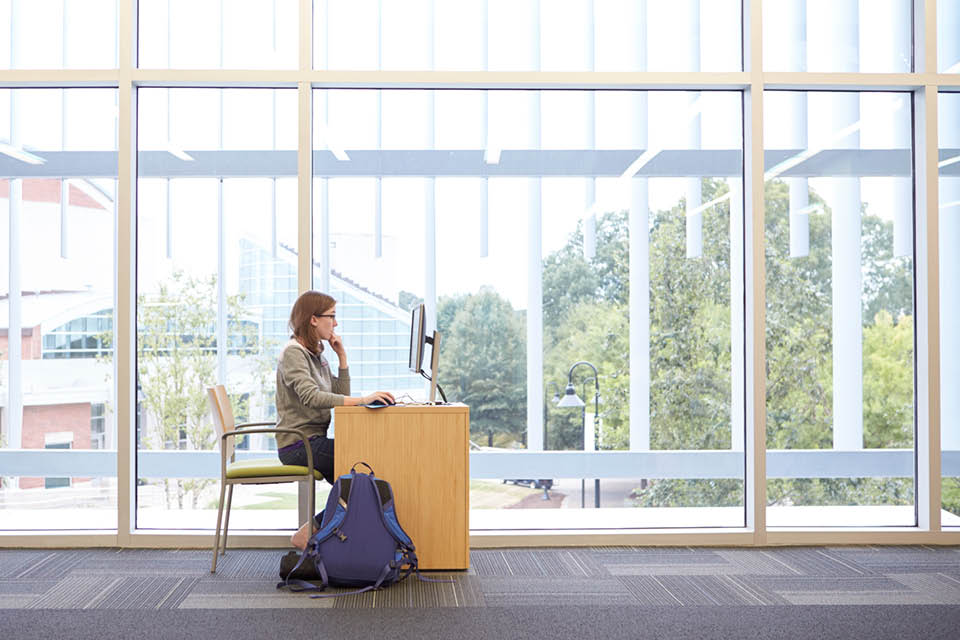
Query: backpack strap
(410, 558)
(353, 469)
(296, 585)
(383, 576)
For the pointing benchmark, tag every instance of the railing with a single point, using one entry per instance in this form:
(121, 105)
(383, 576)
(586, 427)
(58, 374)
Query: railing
(781, 463)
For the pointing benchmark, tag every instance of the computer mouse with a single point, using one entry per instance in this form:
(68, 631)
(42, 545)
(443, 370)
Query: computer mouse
(381, 403)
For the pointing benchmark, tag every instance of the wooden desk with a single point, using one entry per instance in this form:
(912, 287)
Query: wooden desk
(422, 451)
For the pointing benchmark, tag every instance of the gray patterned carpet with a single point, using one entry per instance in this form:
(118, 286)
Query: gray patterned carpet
(608, 592)
(654, 576)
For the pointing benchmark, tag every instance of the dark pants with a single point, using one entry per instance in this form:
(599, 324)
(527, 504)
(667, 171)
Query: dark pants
(322, 456)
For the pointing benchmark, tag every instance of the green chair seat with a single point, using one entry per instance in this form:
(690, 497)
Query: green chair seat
(259, 467)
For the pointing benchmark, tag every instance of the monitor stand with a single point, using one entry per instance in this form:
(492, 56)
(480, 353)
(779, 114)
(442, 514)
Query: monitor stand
(434, 365)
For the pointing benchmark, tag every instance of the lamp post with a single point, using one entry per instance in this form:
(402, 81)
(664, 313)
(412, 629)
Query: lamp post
(570, 399)
(556, 399)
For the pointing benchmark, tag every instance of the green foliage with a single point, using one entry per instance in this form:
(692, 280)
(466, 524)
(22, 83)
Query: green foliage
(586, 317)
(888, 382)
(482, 351)
(176, 361)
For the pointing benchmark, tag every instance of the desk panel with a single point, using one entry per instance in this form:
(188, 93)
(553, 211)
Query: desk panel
(422, 451)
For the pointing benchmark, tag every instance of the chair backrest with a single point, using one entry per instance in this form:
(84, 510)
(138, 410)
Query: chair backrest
(222, 413)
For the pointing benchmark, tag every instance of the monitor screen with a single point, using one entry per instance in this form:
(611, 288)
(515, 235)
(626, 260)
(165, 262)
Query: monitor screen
(417, 337)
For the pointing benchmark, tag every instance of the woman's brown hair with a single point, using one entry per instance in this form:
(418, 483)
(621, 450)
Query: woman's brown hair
(309, 304)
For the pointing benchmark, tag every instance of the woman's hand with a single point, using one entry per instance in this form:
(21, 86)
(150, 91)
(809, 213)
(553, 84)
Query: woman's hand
(384, 397)
(337, 345)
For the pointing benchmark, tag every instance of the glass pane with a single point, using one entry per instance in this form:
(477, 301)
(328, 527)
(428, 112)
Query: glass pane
(212, 34)
(837, 35)
(948, 44)
(511, 35)
(58, 434)
(840, 334)
(479, 171)
(58, 34)
(949, 129)
(216, 272)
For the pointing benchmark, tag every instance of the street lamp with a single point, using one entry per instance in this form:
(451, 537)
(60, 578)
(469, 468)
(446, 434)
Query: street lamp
(556, 399)
(570, 399)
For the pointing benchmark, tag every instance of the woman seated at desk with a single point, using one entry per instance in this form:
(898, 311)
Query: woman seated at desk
(307, 390)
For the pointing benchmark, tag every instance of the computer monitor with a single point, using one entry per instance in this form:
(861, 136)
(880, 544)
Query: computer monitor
(418, 334)
(418, 341)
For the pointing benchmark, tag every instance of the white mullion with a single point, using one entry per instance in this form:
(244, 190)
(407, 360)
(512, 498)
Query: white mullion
(535, 390)
(927, 273)
(927, 269)
(430, 191)
(755, 278)
(305, 152)
(124, 317)
(305, 188)
(322, 252)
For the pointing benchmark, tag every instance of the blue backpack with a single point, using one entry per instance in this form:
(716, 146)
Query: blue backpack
(360, 542)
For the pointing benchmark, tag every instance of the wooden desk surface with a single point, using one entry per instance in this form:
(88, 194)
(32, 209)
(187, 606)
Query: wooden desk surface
(423, 452)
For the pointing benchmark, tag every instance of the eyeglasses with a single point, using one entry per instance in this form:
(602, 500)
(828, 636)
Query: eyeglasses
(325, 315)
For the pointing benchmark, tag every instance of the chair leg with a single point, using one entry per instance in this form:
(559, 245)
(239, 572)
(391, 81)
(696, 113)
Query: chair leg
(226, 522)
(216, 539)
(313, 505)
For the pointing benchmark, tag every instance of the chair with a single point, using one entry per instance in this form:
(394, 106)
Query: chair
(258, 471)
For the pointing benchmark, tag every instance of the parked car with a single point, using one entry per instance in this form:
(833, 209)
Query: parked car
(533, 484)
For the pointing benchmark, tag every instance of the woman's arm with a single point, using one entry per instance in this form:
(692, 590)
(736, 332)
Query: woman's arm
(295, 371)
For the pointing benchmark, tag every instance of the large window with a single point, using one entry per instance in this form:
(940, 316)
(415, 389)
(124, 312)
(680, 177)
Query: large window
(839, 247)
(657, 320)
(58, 207)
(215, 280)
(514, 210)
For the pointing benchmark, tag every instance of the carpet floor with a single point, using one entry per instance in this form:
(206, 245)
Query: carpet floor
(608, 592)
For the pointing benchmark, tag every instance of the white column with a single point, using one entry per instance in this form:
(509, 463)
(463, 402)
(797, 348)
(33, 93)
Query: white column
(694, 222)
(845, 244)
(484, 181)
(222, 340)
(222, 320)
(949, 128)
(535, 389)
(639, 238)
(378, 181)
(797, 130)
(64, 185)
(590, 98)
(14, 336)
(900, 132)
(14, 344)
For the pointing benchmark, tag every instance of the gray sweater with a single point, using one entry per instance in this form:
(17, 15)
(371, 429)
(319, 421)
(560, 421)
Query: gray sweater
(306, 391)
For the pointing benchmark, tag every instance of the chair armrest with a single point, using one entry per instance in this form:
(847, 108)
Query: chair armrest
(253, 424)
(234, 434)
